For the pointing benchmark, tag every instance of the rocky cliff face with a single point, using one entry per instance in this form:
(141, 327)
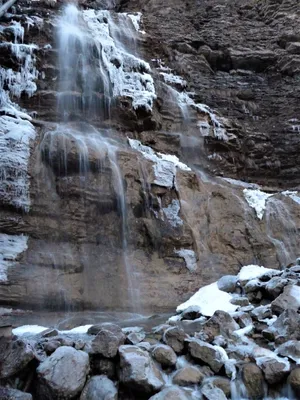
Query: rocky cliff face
(225, 103)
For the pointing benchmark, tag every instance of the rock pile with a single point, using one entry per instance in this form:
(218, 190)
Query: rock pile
(250, 352)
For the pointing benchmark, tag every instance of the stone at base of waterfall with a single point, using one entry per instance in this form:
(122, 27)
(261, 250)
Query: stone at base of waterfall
(164, 355)
(221, 323)
(175, 337)
(108, 340)
(274, 370)
(103, 366)
(51, 346)
(135, 337)
(172, 393)
(14, 356)
(213, 356)
(49, 333)
(294, 380)
(240, 301)
(286, 327)
(187, 376)
(275, 286)
(13, 394)
(290, 349)
(99, 388)
(261, 312)
(222, 383)
(228, 283)
(191, 313)
(63, 374)
(254, 381)
(289, 299)
(138, 371)
(212, 393)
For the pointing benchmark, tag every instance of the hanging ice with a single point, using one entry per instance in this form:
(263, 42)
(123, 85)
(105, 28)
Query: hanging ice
(10, 247)
(257, 200)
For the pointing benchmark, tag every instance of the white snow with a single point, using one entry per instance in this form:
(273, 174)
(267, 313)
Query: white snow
(78, 329)
(257, 200)
(136, 19)
(243, 184)
(209, 299)
(11, 246)
(189, 257)
(249, 272)
(28, 329)
(164, 166)
(293, 195)
(172, 213)
(128, 74)
(173, 79)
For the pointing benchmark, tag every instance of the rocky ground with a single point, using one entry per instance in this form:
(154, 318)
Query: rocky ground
(250, 352)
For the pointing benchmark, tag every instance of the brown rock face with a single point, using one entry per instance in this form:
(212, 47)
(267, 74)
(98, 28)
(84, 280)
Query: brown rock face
(178, 236)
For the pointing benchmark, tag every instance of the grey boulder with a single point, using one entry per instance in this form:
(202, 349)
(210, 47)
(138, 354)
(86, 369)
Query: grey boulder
(13, 394)
(164, 355)
(14, 356)
(99, 388)
(107, 340)
(213, 356)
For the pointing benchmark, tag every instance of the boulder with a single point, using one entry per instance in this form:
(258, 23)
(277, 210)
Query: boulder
(189, 375)
(261, 312)
(171, 393)
(175, 337)
(135, 337)
(13, 394)
(275, 371)
(99, 388)
(286, 327)
(212, 393)
(49, 333)
(63, 374)
(221, 323)
(14, 356)
(275, 286)
(103, 366)
(222, 383)
(288, 300)
(294, 381)
(138, 371)
(240, 301)
(290, 349)
(191, 313)
(213, 356)
(165, 355)
(108, 340)
(254, 381)
(95, 329)
(51, 346)
(228, 283)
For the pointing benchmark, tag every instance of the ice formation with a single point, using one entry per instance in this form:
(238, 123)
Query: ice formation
(10, 248)
(128, 74)
(164, 165)
(189, 257)
(16, 130)
(257, 200)
(172, 213)
(254, 271)
(136, 19)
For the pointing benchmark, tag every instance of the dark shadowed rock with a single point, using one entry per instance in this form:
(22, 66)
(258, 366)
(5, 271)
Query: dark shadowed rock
(261, 312)
(254, 381)
(14, 356)
(294, 380)
(191, 313)
(208, 354)
(13, 394)
(275, 286)
(99, 388)
(221, 323)
(288, 300)
(138, 371)
(103, 366)
(63, 374)
(286, 327)
(188, 376)
(175, 337)
(51, 346)
(222, 383)
(290, 349)
(275, 371)
(165, 355)
(49, 333)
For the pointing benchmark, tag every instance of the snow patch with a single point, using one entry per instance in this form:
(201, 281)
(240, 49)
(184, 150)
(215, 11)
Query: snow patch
(257, 200)
(293, 195)
(249, 272)
(172, 213)
(28, 329)
(189, 257)
(173, 79)
(209, 299)
(10, 247)
(136, 20)
(78, 329)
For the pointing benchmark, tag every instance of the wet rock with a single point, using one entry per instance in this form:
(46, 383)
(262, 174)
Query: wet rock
(13, 394)
(289, 299)
(208, 354)
(261, 313)
(49, 333)
(191, 313)
(63, 374)
(212, 393)
(275, 286)
(79, 344)
(103, 366)
(290, 349)
(188, 376)
(286, 327)
(228, 283)
(254, 381)
(222, 383)
(221, 323)
(171, 393)
(175, 337)
(135, 337)
(274, 370)
(95, 329)
(165, 355)
(51, 346)
(294, 380)
(240, 301)
(14, 356)
(108, 340)
(138, 371)
(99, 388)
(243, 319)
